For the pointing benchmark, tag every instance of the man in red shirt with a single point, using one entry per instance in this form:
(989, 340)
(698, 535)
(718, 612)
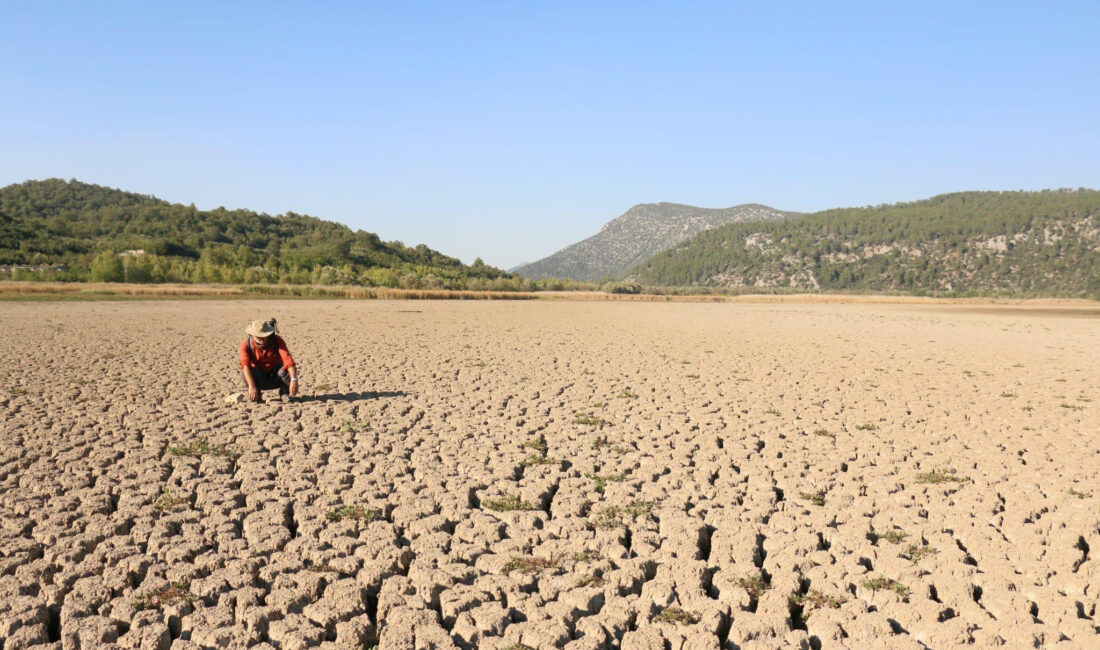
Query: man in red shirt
(266, 363)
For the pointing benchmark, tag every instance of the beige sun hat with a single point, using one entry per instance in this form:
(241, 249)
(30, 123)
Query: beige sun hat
(261, 328)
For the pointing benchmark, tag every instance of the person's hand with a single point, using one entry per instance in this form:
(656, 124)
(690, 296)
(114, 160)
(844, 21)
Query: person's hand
(254, 394)
(294, 388)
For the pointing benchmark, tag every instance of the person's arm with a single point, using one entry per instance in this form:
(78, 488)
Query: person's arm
(288, 363)
(246, 370)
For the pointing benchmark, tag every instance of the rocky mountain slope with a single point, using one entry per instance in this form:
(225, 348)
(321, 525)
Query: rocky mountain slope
(641, 232)
(1023, 243)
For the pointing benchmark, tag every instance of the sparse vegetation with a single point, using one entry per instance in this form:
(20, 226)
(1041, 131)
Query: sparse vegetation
(602, 481)
(866, 427)
(538, 459)
(357, 513)
(202, 447)
(675, 616)
(609, 518)
(538, 444)
(755, 585)
(881, 582)
(509, 503)
(159, 598)
(17, 391)
(893, 536)
(639, 508)
(590, 580)
(1008, 394)
(816, 498)
(814, 600)
(322, 387)
(519, 646)
(941, 476)
(773, 411)
(350, 426)
(1071, 407)
(529, 565)
(692, 376)
(915, 553)
(626, 394)
(586, 555)
(1080, 495)
(169, 500)
(590, 420)
(825, 433)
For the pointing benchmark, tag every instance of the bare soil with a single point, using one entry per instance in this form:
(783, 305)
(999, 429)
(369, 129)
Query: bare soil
(550, 475)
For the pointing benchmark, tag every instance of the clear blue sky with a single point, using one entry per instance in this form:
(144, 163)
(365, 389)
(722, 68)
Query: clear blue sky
(509, 130)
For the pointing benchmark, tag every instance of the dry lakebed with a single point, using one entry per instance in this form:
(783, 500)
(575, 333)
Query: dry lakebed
(550, 474)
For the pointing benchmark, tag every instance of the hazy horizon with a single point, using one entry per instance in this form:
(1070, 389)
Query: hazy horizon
(510, 132)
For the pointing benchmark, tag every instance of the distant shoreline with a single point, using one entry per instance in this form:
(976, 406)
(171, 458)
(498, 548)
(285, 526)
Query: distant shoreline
(23, 291)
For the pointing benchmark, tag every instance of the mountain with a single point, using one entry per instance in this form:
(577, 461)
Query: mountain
(1021, 243)
(641, 232)
(140, 238)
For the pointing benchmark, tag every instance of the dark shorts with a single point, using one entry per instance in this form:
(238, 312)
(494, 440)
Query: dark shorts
(276, 378)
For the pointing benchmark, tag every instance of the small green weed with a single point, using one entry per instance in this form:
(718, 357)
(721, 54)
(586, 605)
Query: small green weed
(814, 600)
(602, 481)
(356, 513)
(816, 498)
(587, 555)
(529, 565)
(590, 580)
(639, 508)
(202, 447)
(509, 503)
(609, 518)
(940, 476)
(881, 582)
(676, 616)
(158, 598)
(755, 586)
(773, 411)
(626, 394)
(169, 500)
(1080, 495)
(538, 459)
(866, 427)
(825, 433)
(590, 420)
(538, 444)
(893, 536)
(915, 553)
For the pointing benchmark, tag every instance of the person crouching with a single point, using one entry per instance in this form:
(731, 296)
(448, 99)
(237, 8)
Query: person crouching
(266, 363)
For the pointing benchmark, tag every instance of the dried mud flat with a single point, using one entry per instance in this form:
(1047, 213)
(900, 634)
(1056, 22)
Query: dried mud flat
(550, 475)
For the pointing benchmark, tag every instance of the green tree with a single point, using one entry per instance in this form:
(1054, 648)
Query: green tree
(107, 267)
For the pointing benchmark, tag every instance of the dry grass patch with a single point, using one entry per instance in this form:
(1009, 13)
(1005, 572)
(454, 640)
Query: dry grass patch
(1080, 495)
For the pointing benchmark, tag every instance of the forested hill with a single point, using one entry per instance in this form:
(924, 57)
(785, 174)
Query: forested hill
(1021, 243)
(639, 233)
(100, 233)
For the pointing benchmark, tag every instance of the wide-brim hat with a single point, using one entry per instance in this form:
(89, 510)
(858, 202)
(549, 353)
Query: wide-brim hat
(260, 329)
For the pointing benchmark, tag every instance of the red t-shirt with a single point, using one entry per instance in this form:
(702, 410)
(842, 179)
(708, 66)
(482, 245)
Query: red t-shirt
(266, 358)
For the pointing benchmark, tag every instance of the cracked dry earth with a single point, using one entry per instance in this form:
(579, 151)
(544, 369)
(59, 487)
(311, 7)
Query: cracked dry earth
(550, 475)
